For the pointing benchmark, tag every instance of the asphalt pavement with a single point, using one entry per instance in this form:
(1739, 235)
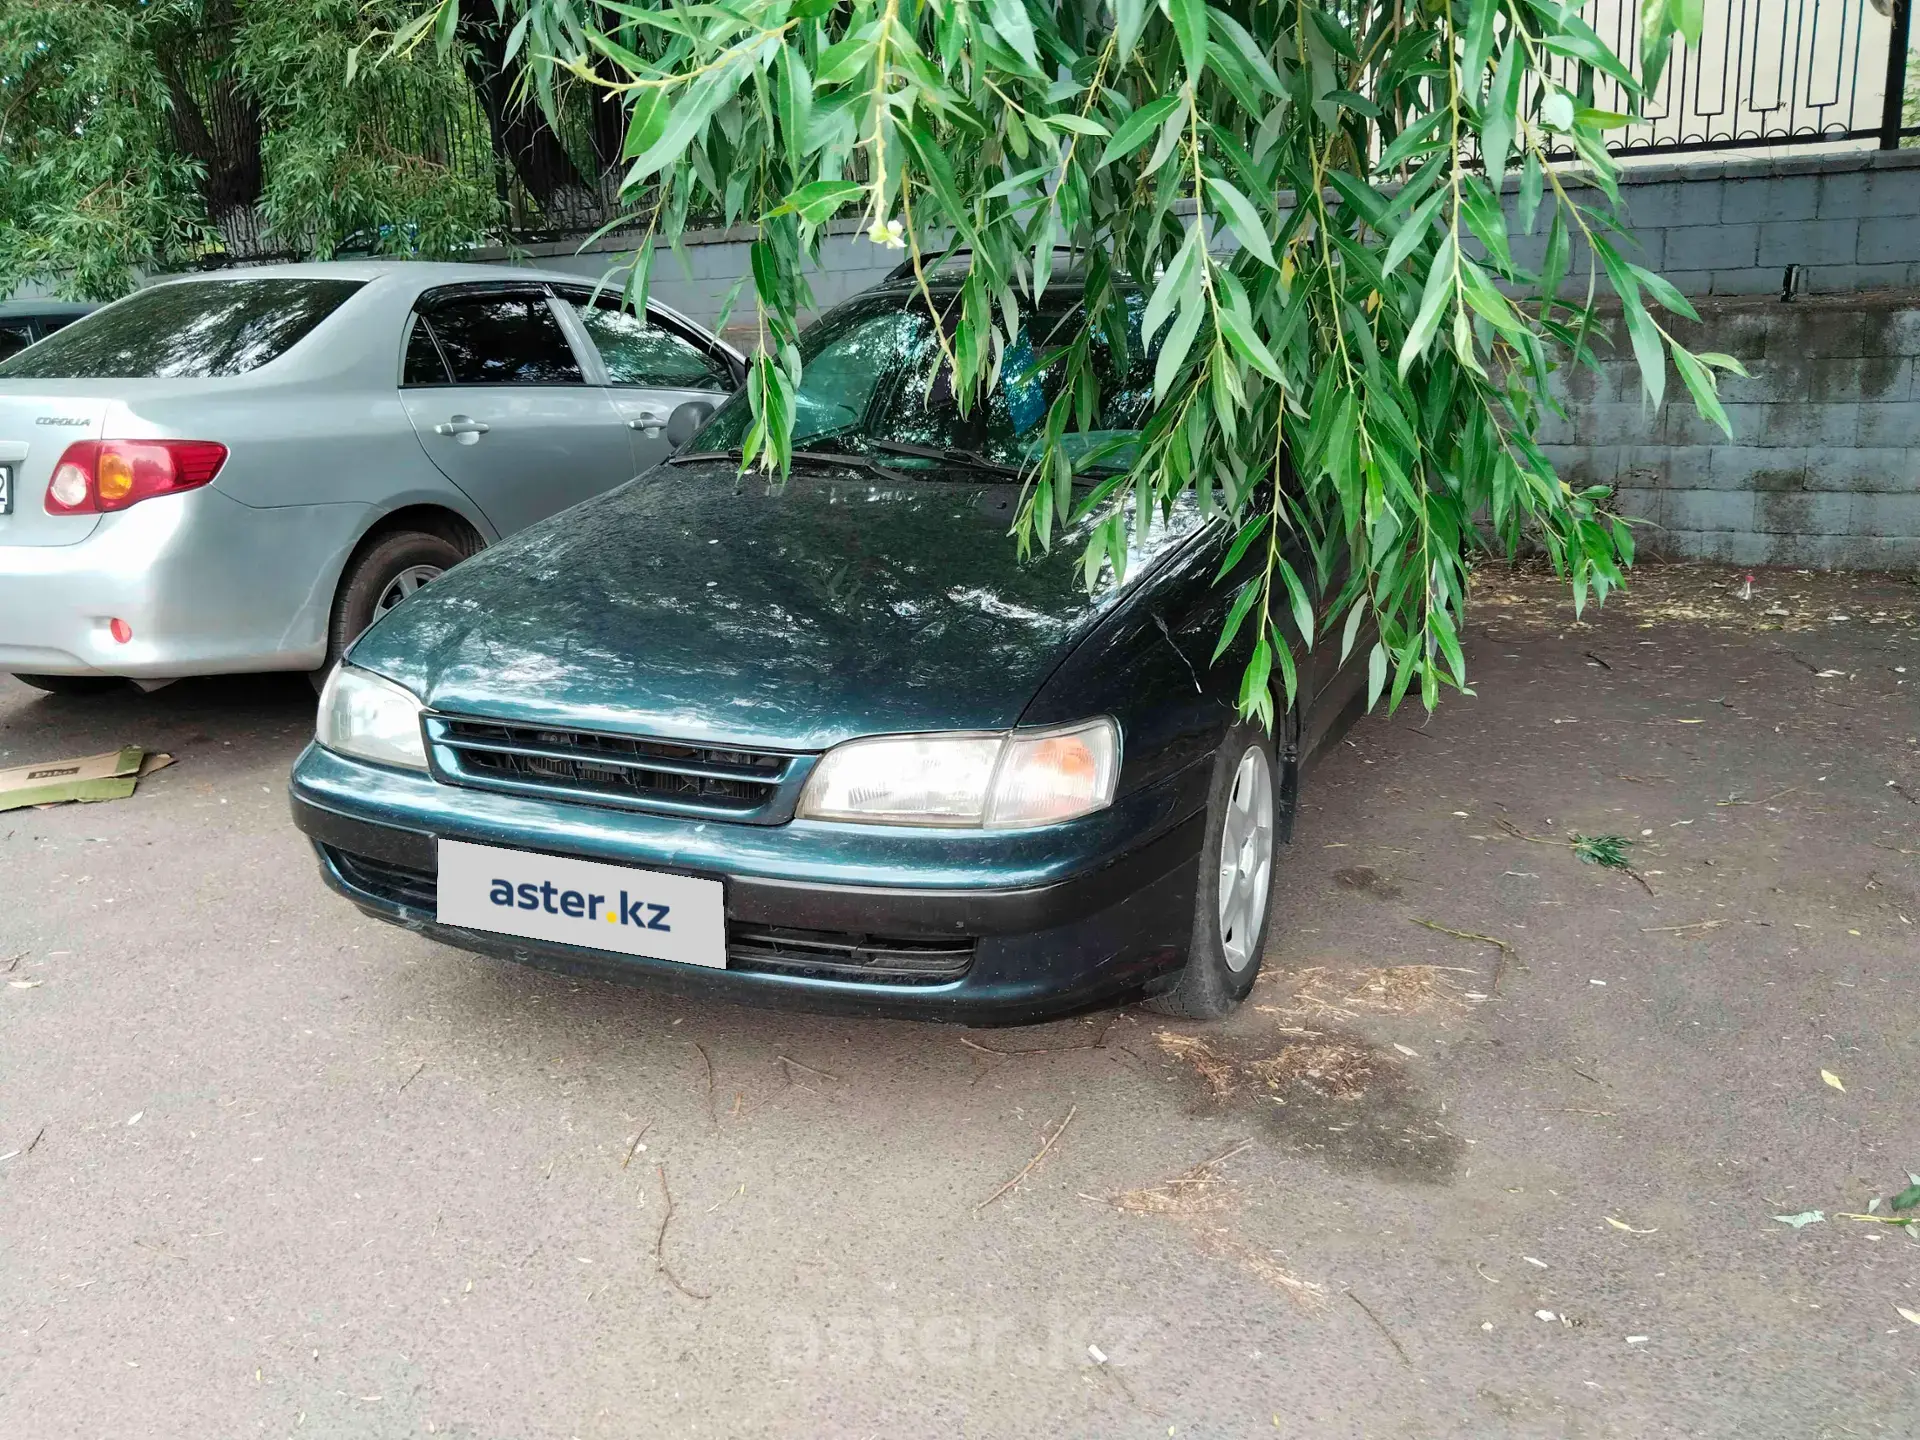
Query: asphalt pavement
(1495, 1149)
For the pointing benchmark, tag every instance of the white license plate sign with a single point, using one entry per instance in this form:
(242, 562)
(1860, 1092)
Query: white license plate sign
(582, 902)
(6, 489)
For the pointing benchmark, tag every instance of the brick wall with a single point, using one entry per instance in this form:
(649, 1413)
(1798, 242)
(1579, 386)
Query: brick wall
(1824, 466)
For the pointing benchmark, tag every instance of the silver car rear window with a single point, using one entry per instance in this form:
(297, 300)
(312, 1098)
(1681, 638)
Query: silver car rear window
(189, 329)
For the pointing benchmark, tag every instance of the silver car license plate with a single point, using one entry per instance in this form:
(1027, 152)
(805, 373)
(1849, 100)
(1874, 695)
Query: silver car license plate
(6, 489)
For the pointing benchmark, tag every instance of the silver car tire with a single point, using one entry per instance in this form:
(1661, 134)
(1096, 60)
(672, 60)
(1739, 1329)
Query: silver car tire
(382, 572)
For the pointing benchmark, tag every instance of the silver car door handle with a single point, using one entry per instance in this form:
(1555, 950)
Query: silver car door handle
(462, 425)
(652, 424)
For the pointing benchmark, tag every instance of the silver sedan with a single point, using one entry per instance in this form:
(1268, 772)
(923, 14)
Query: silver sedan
(241, 472)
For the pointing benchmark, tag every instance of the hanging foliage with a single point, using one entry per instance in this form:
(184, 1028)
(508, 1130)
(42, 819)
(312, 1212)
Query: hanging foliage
(1351, 363)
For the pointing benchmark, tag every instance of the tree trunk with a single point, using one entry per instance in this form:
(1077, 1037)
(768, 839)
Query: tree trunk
(609, 120)
(521, 135)
(224, 136)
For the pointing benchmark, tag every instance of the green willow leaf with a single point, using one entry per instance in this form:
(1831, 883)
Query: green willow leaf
(1497, 124)
(1243, 220)
(646, 123)
(814, 203)
(1407, 141)
(1010, 19)
(1247, 343)
(1478, 46)
(1647, 348)
(1532, 180)
(1180, 335)
(1722, 362)
(1355, 616)
(1412, 232)
(1078, 125)
(706, 95)
(1132, 132)
(1243, 603)
(1554, 267)
(1190, 24)
(1662, 291)
(1250, 532)
(1578, 40)
(1439, 289)
(1700, 385)
(1172, 285)
(1247, 49)
(1172, 130)
(1297, 596)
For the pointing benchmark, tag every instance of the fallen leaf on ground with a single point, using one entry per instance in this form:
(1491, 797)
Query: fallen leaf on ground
(1906, 1314)
(1622, 1225)
(1338, 1068)
(1803, 1219)
(1213, 1067)
(1833, 1080)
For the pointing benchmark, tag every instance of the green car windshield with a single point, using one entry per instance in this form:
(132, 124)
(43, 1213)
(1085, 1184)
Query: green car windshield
(875, 372)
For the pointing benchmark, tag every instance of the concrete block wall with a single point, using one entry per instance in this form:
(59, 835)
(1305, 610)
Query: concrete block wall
(1850, 220)
(1824, 466)
(849, 263)
(1713, 226)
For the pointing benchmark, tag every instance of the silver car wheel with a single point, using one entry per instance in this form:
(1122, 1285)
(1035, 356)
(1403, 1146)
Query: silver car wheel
(403, 585)
(1246, 858)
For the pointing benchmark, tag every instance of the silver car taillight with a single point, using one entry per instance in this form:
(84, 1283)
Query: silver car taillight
(100, 475)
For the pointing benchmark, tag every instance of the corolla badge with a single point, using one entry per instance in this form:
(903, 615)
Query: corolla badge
(62, 420)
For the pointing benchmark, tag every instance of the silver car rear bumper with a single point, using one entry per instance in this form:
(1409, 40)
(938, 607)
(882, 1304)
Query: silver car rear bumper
(207, 585)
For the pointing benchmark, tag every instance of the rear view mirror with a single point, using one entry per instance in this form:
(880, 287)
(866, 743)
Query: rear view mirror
(687, 418)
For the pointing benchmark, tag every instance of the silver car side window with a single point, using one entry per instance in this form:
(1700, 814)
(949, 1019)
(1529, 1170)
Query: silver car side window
(503, 339)
(637, 351)
(424, 364)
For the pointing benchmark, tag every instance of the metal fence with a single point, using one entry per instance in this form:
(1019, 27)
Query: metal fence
(1765, 73)
(434, 117)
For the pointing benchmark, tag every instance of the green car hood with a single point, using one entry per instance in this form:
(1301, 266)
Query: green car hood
(701, 605)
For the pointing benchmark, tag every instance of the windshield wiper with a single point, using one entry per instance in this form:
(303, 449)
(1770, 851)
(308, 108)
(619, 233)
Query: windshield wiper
(850, 461)
(839, 459)
(953, 455)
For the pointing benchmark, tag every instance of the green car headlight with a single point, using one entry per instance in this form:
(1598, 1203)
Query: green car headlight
(1001, 780)
(370, 719)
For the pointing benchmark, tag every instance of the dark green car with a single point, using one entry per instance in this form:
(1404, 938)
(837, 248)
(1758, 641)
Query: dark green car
(830, 742)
